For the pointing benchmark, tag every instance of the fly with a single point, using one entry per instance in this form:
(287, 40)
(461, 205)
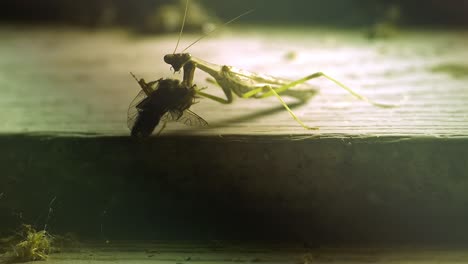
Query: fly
(162, 100)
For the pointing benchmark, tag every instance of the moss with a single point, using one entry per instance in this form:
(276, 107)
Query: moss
(28, 245)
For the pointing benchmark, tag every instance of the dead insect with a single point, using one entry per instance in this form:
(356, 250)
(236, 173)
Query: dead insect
(162, 100)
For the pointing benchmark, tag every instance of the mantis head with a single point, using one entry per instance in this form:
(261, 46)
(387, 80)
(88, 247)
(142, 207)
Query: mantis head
(178, 60)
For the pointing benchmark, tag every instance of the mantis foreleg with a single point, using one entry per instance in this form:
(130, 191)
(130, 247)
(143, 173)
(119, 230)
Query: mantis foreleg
(214, 98)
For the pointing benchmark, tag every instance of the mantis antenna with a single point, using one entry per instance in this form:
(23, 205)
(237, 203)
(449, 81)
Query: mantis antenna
(225, 24)
(183, 25)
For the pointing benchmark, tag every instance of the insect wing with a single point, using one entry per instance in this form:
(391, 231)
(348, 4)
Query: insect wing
(132, 112)
(187, 117)
(171, 116)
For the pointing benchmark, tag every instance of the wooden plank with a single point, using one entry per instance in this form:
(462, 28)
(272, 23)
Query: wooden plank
(334, 190)
(67, 80)
(139, 252)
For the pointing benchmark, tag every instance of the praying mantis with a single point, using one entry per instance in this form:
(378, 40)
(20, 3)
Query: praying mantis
(242, 83)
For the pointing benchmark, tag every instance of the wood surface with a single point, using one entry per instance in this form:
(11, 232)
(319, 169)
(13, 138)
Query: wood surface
(136, 252)
(62, 80)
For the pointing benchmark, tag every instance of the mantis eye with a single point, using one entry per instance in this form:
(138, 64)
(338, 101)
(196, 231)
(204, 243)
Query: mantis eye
(169, 58)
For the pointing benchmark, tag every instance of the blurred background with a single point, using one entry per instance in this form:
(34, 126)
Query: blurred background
(164, 15)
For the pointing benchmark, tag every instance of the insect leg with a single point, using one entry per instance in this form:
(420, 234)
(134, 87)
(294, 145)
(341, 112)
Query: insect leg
(275, 93)
(321, 74)
(227, 91)
(189, 73)
(144, 86)
(162, 128)
(215, 98)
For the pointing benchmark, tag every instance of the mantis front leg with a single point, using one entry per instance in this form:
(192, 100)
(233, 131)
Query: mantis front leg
(189, 73)
(214, 98)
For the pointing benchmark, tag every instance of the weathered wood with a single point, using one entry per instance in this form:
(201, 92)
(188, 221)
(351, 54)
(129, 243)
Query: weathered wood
(159, 252)
(66, 80)
(378, 190)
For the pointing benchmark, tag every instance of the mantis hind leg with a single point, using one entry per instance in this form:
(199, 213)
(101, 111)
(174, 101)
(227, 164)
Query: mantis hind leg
(310, 77)
(275, 93)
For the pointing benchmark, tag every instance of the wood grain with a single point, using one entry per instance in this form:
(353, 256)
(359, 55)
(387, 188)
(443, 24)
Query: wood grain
(67, 80)
(228, 252)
